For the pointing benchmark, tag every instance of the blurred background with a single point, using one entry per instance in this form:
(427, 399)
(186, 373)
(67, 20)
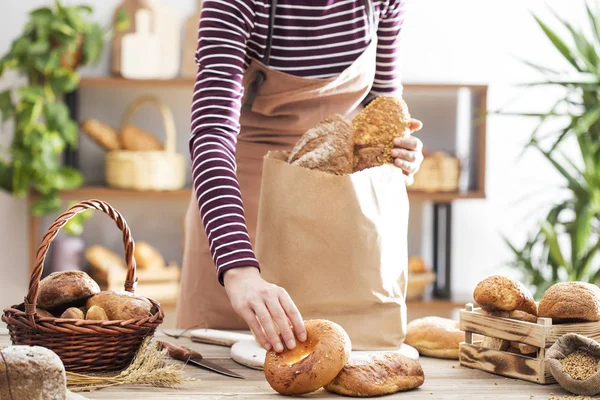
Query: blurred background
(480, 185)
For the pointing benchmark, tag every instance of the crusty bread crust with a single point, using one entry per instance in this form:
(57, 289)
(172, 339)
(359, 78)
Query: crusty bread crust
(571, 301)
(500, 293)
(381, 374)
(435, 336)
(65, 287)
(327, 147)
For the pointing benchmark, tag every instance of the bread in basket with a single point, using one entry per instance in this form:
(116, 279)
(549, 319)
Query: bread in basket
(82, 345)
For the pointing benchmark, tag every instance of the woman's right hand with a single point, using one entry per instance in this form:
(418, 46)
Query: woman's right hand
(266, 308)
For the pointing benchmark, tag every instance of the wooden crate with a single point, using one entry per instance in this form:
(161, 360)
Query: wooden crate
(542, 335)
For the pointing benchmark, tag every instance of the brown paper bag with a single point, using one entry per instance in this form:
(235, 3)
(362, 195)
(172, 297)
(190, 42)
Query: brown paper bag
(338, 245)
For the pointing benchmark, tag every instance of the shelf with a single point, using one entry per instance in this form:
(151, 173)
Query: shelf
(107, 81)
(100, 192)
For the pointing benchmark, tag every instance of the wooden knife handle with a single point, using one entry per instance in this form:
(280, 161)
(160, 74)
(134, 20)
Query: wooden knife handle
(178, 353)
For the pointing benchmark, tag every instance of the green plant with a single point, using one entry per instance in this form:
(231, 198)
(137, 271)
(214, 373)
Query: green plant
(566, 244)
(54, 42)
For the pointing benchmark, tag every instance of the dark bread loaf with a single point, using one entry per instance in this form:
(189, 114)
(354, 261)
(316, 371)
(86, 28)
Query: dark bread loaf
(65, 288)
(326, 147)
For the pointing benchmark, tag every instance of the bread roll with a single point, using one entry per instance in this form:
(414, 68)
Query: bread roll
(522, 348)
(435, 337)
(515, 314)
(63, 288)
(495, 343)
(134, 138)
(43, 313)
(327, 147)
(31, 373)
(571, 302)
(96, 313)
(499, 293)
(121, 305)
(102, 134)
(416, 265)
(381, 374)
(72, 313)
(147, 256)
(375, 127)
(104, 259)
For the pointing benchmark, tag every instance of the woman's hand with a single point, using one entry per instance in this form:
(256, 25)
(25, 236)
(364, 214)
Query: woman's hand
(266, 308)
(408, 152)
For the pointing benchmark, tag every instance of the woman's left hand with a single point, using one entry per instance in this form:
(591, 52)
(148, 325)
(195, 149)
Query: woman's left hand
(408, 152)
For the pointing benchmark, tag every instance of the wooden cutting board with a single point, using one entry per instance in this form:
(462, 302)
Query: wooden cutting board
(130, 7)
(189, 69)
(140, 50)
(166, 26)
(246, 351)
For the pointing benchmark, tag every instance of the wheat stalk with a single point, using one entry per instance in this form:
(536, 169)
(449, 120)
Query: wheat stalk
(150, 366)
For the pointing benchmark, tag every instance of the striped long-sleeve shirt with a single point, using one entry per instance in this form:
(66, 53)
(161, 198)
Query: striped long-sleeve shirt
(312, 38)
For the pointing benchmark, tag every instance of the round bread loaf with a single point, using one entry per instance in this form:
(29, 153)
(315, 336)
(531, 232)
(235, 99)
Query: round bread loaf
(66, 287)
(499, 293)
(327, 147)
(31, 373)
(121, 305)
(381, 374)
(311, 364)
(416, 265)
(72, 313)
(571, 302)
(435, 337)
(375, 127)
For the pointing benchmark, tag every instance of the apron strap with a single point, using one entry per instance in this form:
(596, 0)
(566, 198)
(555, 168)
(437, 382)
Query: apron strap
(260, 76)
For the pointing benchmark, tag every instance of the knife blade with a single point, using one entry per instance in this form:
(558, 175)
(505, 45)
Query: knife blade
(187, 355)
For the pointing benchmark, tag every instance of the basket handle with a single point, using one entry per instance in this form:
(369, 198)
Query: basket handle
(165, 111)
(61, 220)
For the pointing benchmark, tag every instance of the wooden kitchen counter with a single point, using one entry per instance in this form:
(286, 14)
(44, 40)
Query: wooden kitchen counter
(444, 379)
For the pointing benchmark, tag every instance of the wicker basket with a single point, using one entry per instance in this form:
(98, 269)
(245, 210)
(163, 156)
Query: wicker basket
(82, 345)
(438, 173)
(418, 283)
(147, 170)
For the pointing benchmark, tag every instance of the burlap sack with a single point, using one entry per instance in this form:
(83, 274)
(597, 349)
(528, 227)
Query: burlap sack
(564, 346)
(338, 245)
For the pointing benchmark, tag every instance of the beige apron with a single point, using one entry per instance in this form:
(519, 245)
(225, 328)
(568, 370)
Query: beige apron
(285, 107)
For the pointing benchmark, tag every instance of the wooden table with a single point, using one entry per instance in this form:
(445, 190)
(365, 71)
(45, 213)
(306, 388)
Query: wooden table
(444, 379)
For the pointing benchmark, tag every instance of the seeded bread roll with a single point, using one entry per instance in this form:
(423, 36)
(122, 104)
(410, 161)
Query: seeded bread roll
(570, 302)
(375, 127)
(499, 293)
(65, 288)
(327, 147)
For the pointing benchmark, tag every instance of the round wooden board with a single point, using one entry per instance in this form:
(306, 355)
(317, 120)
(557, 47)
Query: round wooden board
(250, 354)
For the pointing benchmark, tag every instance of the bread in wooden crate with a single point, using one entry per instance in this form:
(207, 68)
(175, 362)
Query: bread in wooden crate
(541, 335)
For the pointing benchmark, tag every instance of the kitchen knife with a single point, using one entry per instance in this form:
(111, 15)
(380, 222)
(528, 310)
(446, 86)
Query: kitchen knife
(190, 356)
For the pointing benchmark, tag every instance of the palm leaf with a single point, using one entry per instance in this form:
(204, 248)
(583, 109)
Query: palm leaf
(593, 21)
(558, 43)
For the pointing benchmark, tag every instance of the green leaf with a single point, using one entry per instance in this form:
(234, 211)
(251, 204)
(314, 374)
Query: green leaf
(67, 178)
(558, 43)
(39, 47)
(6, 173)
(123, 20)
(45, 204)
(31, 94)
(74, 19)
(93, 44)
(573, 183)
(589, 118)
(64, 81)
(57, 115)
(552, 243)
(85, 8)
(41, 12)
(594, 22)
(7, 108)
(62, 28)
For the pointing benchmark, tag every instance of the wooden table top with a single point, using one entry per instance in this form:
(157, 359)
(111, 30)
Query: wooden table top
(444, 379)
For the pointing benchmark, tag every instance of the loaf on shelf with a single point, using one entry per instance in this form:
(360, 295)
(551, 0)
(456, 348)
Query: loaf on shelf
(420, 278)
(439, 172)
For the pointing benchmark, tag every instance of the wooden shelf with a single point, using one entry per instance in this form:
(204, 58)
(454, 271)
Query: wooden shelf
(100, 192)
(108, 81)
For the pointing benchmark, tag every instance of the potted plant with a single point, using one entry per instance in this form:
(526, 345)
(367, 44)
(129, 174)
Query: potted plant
(53, 44)
(67, 250)
(565, 245)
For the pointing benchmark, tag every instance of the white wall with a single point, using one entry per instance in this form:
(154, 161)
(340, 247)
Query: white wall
(468, 41)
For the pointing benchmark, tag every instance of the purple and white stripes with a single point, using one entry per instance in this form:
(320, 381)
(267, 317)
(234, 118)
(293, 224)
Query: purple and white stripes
(312, 39)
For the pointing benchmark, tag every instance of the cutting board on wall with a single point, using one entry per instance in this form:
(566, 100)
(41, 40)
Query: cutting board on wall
(140, 50)
(190, 44)
(167, 28)
(130, 7)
